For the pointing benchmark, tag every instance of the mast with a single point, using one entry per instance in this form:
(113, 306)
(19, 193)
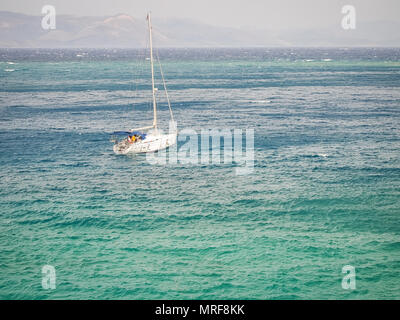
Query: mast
(152, 73)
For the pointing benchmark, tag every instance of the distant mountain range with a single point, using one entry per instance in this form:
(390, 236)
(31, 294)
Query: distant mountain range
(125, 31)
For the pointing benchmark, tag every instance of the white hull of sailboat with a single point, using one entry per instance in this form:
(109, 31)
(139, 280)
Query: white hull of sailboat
(151, 143)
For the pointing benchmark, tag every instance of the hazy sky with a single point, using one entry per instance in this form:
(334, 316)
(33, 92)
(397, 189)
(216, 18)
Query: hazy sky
(269, 14)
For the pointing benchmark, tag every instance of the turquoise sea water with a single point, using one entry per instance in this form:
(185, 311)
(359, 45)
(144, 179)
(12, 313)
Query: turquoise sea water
(324, 192)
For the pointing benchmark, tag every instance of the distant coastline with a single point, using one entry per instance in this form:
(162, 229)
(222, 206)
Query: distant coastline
(124, 31)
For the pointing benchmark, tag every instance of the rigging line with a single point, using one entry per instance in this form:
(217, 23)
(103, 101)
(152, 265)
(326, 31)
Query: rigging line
(136, 80)
(142, 67)
(146, 50)
(141, 62)
(140, 55)
(165, 86)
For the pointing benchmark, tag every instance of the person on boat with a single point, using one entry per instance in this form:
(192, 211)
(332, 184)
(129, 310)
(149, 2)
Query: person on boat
(133, 139)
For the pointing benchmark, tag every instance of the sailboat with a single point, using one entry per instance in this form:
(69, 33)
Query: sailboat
(140, 140)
